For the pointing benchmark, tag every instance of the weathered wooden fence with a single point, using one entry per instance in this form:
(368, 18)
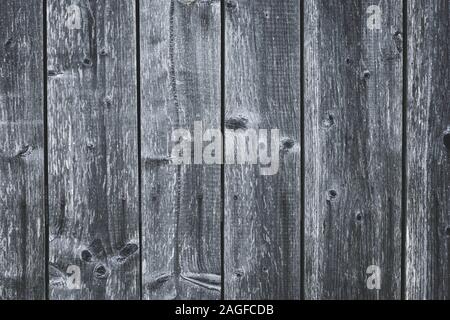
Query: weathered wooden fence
(92, 207)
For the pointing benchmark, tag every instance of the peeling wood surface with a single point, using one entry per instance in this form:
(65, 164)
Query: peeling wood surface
(353, 149)
(181, 205)
(262, 91)
(22, 222)
(93, 150)
(428, 149)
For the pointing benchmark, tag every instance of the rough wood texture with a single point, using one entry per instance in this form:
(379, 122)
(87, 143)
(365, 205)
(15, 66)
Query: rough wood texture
(93, 152)
(181, 205)
(22, 222)
(358, 118)
(262, 90)
(353, 149)
(428, 150)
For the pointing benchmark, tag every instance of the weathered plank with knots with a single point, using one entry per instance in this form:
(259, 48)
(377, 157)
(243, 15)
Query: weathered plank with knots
(262, 91)
(181, 205)
(22, 222)
(93, 151)
(428, 151)
(353, 148)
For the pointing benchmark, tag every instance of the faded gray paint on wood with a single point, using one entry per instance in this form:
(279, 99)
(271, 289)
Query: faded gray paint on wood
(181, 205)
(353, 149)
(22, 222)
(262, 90)
(353, 142)
(93, 152)
(428, 151)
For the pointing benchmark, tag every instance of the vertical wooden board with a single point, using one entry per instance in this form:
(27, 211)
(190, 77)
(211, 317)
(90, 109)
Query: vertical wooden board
(262, 91)
(353, 148)
(22, 221)
(428, 151)
(93, 151)
(181, 205)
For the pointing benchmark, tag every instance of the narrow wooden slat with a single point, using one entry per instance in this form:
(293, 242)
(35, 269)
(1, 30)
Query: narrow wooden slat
(428, 151)
(181, 205)
(262, 91)
(22, 221)
(93, 152)
(353, 148)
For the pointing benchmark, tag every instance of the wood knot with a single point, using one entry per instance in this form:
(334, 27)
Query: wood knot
(366, 74)
(53, 73)
(358, 216)
(87, 62)
(86, 256)
(287, 144)
(127, 251)
(163, 160)
(25, 151)
(238, 274)
(103, 52)
(236, 123)
(90, 146)
(328, 121)
(100, 271)
(8, 42)
(332, 194)
(108, 102)
(447, 231)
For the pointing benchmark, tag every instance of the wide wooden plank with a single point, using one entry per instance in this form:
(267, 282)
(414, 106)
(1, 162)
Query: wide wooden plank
(22, 221)
(262, 91)
(93, 150)
(428, 151)
(181, 204)
(353, 149)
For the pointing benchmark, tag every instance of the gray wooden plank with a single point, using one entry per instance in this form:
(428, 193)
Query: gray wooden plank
(428, 151)
(93, 151)
(353, 148)
(22, 220)
(181, 205)
(262, 91)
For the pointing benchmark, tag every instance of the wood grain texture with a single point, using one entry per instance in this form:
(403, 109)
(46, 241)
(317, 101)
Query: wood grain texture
(353, 149)
(181, 205)
(262, 91)
(428, 150)
(93, 151)
(354, 117)
(22, 221)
